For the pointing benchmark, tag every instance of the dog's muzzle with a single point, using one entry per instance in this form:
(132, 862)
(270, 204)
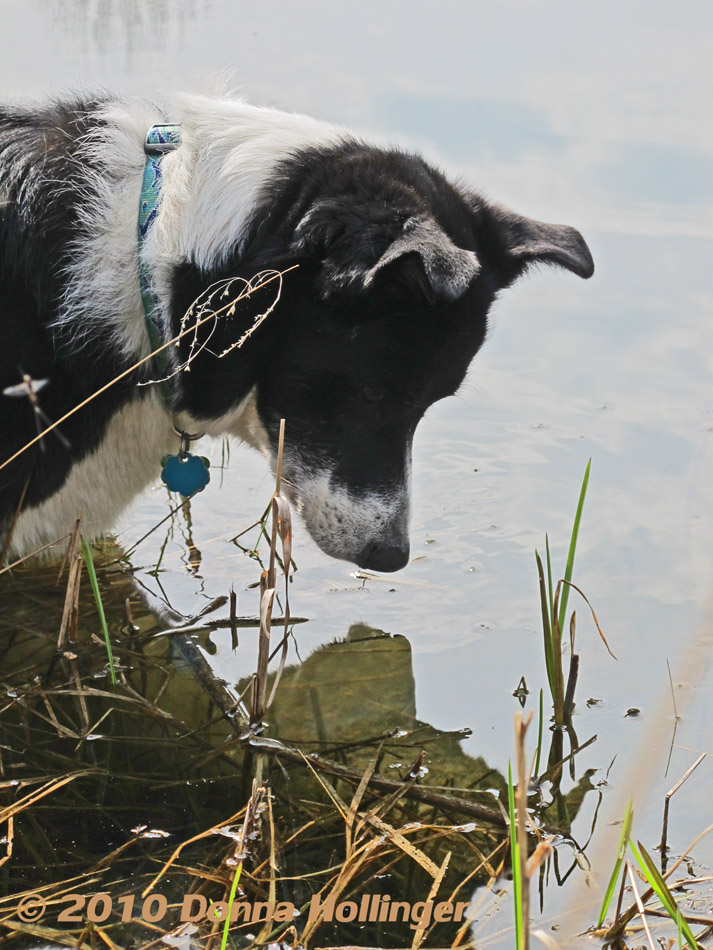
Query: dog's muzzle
(370, 530)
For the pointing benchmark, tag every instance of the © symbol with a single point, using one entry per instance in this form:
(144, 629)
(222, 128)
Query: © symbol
(31, 908)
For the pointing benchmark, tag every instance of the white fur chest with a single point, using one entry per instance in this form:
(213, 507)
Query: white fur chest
(106, 481)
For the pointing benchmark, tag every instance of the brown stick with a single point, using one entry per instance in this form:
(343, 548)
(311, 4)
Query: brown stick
(414, 792)
(523, 780)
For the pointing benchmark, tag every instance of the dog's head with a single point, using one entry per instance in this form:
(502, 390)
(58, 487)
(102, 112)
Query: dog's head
(397, 271)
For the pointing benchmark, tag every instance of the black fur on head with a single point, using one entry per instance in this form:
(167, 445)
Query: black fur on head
(397, 271)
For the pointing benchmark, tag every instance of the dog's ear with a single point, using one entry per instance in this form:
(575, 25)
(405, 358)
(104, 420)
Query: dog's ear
(449, 269)
(356, 249)
(527, 241)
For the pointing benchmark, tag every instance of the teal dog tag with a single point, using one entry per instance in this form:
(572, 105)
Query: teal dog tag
(185, 473)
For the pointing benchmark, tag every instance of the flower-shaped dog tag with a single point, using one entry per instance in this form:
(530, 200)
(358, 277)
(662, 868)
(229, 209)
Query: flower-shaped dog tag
(185, 473)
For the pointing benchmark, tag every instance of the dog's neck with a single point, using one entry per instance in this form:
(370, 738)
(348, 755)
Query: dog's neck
(209, 195)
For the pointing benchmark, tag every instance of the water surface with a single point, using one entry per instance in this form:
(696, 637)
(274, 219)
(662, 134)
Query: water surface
(596, 118)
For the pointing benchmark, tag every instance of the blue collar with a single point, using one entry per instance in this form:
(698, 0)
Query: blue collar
(182, 472)
(159, 140)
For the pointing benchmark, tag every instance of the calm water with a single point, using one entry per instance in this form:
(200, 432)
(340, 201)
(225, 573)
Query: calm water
(596, 119)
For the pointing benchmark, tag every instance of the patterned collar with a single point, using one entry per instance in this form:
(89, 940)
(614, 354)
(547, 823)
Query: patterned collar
(159, 140)
(181, 472)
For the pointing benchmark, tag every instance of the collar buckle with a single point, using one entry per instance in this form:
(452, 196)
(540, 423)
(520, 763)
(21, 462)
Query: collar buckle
(161, 139)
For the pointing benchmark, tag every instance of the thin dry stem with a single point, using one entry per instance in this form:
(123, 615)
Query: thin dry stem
(13, 524)
(639, 903)
(136, 366)
(663, 846)
(523, 781)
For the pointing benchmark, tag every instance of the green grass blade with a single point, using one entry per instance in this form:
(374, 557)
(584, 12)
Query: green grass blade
(653, 876)
(224, 457)
(89, 561)
(549, 578)
(231, 899)
(623, 842)
(546, 627)
(515, 859)
(573, 547)
(160, 555)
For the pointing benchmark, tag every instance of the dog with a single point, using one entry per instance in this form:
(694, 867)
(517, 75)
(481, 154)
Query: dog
(388, 271)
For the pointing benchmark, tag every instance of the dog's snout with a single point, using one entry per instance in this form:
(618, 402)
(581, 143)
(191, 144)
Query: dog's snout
(382, 556)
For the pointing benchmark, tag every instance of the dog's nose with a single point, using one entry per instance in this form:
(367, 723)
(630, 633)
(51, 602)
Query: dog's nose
(382, 556)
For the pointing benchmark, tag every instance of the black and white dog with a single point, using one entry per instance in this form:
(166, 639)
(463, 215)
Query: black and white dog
(388, 306)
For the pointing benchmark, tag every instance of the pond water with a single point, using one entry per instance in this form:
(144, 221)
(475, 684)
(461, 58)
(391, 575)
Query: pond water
(596, 118)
